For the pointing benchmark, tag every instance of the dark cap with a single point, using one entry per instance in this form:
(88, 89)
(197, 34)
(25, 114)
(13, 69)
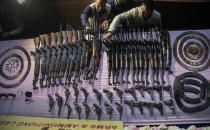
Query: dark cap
(149, 4)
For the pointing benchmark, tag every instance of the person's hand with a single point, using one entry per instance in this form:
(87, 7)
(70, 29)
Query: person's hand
(6, 35)
(88, 29)
(105, 25)
(107, 35)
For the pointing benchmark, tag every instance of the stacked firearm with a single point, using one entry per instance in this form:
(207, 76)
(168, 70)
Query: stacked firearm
(139, 48)
(63, 58)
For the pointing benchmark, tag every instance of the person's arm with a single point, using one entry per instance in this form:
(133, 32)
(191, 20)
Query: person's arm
(84, 16)
(119, 19)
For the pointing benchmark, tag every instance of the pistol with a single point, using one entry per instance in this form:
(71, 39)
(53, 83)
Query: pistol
(108, 94)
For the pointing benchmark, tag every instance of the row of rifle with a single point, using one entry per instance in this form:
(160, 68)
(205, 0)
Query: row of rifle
(97, 107)
(63, 54)
(140, 48)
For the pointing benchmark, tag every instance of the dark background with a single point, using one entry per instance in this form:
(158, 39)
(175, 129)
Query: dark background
(44, 16)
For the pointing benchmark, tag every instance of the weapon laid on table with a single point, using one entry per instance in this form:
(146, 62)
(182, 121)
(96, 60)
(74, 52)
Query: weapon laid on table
(146, 57)
(119, 109)
(168, 52)
(162, 60)
(98, 95)
(87, 109)
(51, 102)
(117, 60)
(36, 56)
(159, 106)
(114, 69)
(152, 61)
(48, 55)
(59, 102)
(85, 93)
(150, 91)
(78, 61)
(119, 93)
(69, 110)
(109, 109)
(123, 60)
(97, 109)
(59, 57)
(109, 94)
(68, 62)
(43, 61)
(128, 53)
(72, 62)
(139, 105)
(84, 45)
(76, 92)
(136, 57)
(168, 89)
(53, 59)
(157, 63)
(142, 60)
(78, 109)
(88, 57)
(132, 92)
(159, 90)
(170, 104)
(133, 55)
(149, 106)
(140, 89)
(109, 59)
(67, 94)
(64, 58)
(131, 105)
